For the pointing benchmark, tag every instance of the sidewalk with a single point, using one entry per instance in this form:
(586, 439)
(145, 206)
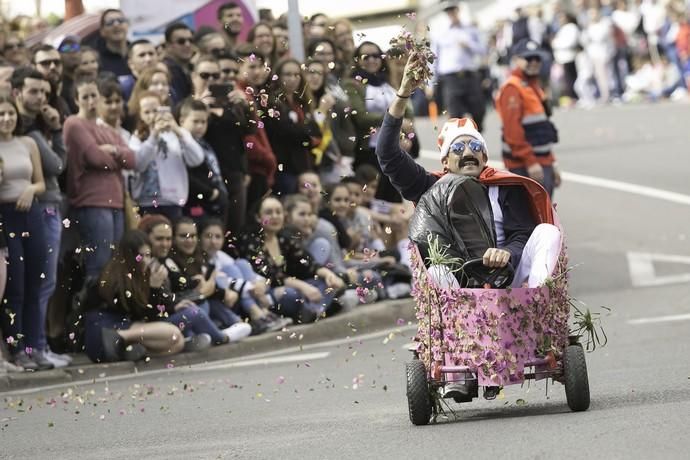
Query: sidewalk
(363, 319)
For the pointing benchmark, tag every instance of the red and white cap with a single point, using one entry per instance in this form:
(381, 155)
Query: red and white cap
(454, 128)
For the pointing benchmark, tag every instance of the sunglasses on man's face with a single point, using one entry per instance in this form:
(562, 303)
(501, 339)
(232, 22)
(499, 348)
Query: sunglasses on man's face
(183, 41)
(475, 146)
(115, 22)
(50, 62)
(208, 75)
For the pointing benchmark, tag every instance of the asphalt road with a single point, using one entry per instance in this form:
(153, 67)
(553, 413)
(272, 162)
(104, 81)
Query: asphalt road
(346, 400)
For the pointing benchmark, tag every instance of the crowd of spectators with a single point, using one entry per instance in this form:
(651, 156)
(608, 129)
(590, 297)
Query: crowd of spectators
(604, 51)
(159, 197)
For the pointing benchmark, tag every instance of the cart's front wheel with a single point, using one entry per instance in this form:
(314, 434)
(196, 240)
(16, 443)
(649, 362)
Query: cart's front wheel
(418, 397)
(576, 380)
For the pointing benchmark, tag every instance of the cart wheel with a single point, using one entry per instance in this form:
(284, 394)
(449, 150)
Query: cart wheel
(418, 397)
(576, 381)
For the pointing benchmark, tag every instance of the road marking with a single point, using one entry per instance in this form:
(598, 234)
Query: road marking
(642, 190)
(257, 357)
(660, 319)
(303, 357)
(643, 273)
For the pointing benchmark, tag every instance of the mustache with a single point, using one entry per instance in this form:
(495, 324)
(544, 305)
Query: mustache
(464, 161)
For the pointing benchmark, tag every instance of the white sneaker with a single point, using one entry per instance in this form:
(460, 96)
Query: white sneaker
(238, 331)
(348, 300)
(57, 359)
(398, 290)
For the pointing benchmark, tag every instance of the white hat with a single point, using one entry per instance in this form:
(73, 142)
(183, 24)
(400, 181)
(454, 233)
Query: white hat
(454, 128)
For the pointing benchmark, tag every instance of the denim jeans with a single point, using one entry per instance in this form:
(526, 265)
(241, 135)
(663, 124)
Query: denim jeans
(293, 304)
(100, 229)
(21, 316)
(52, 225)
(194, 320)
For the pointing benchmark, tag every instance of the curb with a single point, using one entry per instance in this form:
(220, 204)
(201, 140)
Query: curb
(363, 319)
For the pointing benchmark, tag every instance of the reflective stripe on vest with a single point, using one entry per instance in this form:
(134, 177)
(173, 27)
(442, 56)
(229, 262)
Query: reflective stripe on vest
(539, 132)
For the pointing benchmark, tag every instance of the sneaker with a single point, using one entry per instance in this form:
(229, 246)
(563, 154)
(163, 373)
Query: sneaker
(259, 326)
(277, 323)
(399, 290)
(197, 342)
(58, 361)
(39, 358)
(134, 352)
(238, 331)
(349, 300)
(23, 360)
(6, 366)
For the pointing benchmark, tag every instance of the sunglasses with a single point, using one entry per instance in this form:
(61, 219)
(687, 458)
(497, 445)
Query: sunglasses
(69, 48)
(115, 21)
(475, 146)
(183, 41)
(229, 71)
(49, 62)
(14, 46)
(207, 75)
(533, 58)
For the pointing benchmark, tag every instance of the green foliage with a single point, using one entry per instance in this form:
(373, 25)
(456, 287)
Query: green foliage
(588, 324)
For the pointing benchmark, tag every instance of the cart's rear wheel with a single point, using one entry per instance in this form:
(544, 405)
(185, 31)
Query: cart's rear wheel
(418, 397)
(576, 380)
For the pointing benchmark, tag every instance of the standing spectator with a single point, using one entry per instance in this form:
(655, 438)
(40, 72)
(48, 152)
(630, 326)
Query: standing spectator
(15, 52)
(111, 108)
(163, 153)
(528, 135)
(48, 61)
(318, 26)
(210, 43)
(41, 122)
(261, 37)
(231, 22)
(293, 131)
(282, 40)
(229, 67)
(88, 63)
(70, 51)
(112, 43)
(228, 123)
(155, 80)
(599, 46)
(260, 156)
(458, 50)
(626, 21)
(120, 326)
(141, 56)
(178, 57)
(96, 155)
(22, 181)
(341, 34)
(208, 194)
(564, 46)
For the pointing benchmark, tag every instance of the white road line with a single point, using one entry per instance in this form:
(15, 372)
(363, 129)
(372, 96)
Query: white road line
(659, 319)
(643, 273)
(610, 184)
(302, 357)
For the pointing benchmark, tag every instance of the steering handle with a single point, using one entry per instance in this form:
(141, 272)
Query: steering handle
(497, 278)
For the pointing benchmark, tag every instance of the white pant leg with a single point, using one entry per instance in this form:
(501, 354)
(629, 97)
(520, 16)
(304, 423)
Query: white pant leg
(442, 276)
(539, 256)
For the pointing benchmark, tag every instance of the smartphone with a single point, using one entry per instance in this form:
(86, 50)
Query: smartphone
(220, 92)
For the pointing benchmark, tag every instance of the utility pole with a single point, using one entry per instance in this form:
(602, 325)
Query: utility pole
(295, 33)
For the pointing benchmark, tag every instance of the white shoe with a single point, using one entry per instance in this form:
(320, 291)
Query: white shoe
(238, 331)
(57, 359)
(348, 300)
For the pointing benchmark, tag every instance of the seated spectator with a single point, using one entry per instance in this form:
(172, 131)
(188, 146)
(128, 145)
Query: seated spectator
(163, 152)
(96, 156)
(192, 319)
(237, 274)
(292, 131)
(358, 220)
(302, 290)
(178, 57)
(190, 272)
(112, 43)
(122, 324)
(208, 195)
(140, 57)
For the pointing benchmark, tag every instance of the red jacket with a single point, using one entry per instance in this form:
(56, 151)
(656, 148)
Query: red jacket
(260, 156)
